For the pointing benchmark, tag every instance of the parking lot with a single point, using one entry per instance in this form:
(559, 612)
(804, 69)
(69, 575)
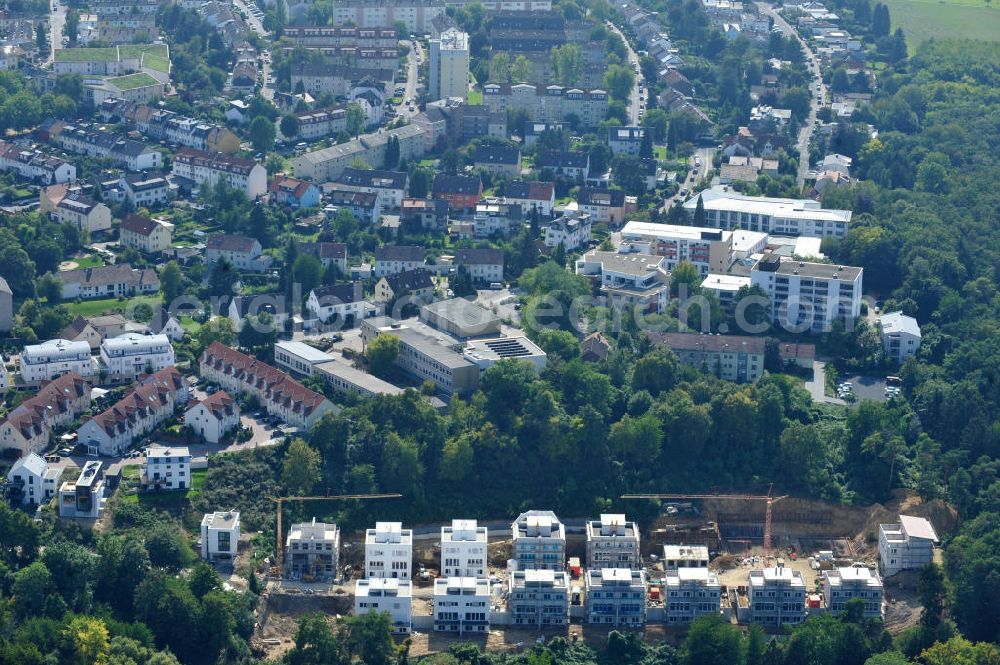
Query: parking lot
(866, 387)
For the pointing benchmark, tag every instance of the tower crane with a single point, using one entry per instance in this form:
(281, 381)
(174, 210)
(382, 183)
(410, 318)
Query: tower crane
(329, 497)
(768, 498)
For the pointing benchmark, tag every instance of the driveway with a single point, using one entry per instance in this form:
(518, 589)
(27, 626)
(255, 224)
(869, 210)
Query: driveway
(817, 385)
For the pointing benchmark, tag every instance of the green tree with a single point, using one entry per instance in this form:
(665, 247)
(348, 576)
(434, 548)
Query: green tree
(72, 26)
(566, 63)
(73, 569)
(959, 651)
(880, 20)
(308, 272)
(171, 282)
(88, 638)
(369, 637)
(655, 372)
(289, 126)
(646, 147)
(381, 353)
(49, 287)
(315, 644)
(392, 152)
(500, 68)
(520, 70)
(699, 213)
(168, 548)
(619, 81)
(419, 183)
(41, 41)
(217, 329)
(356, 119)
(710, 641)
(300, 469)
(262, 134)
(657, 120)
(32, 585)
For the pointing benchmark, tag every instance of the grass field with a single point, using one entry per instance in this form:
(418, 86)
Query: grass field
(939, 19)
(110, 305)
(170, 501)
(157, 62)
(475, 97)
(132, 81)
(86, 54)
(133, 50)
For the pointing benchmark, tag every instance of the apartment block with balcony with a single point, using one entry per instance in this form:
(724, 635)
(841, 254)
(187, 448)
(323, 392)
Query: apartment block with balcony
(538, 598)
(462, 605)
(842, 585)
(689, 593)
(613, 541)
(388, 551)
(906, 545)
(463, 549)
(539, 541)
(312, 551)
(808, 297)
(638, 281)
(616, 597)
(777, 597)
(391, 596)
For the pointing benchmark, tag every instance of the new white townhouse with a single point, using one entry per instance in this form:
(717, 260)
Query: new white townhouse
(200, 167)
(907, 545)
(462, 605)
(388, 551)
(463, 549)
(46, 361)
(777, 596)
(312, 550)
(220, 535)
(616, 597)
(689, 593)
(613, 542)
(32, 481)
(127, 356)
(391, 596)
(841, 585)
(538, 598)
(539, 541)
(213, 417)
(808, 297)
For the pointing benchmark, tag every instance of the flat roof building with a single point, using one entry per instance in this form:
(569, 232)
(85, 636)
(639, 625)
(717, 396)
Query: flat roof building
(461, 605)
(461, 318)
(676, 557)
(841, 585)
(689, 593)
(907, 545)
(463, 549)
(349, 380)
(220, 535)
(777, 596)
(613, 541)
(538, 598)
(539, 541)
(616, 597)
(299, 357)
(727, 209)
(312, 551)
(485, 353)
(388, 551)
(392, 596)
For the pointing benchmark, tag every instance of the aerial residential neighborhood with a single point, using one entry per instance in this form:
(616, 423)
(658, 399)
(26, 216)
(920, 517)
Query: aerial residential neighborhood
(521, 332)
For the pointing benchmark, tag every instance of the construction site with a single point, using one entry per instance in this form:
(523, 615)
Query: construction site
(808, 536)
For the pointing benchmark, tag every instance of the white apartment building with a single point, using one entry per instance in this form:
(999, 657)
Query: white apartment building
(908, 545)
(213, 417)
(83, 213)
(462, 605)
(241, 252)
(167, 468)
(463, 549)
(842, 585)
(312, 550)
(777, 596)
(613, 542)
(730, 357)
(689, 593)
(150, 236)
(415, 14)
(31, 481)
(538, 598)
(388, 551)
(46, 361)
(337, 302)
(709, 250)
(497, 217)
(570, 232)
(900, 335)
(393, 596)
(449, 66)
(200, 167)
(125, 357)
(808, 297)
(616, 597)
(220, 535)
(389, 185)
(641, 281)
(539, 541)
(485, 265)
(392, 259)
(727, 209)
(551, 103)
(676, 557)
(146, 192)
(298, 357)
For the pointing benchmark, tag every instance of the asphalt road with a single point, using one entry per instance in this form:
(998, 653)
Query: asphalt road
(700, 158)
(636, 97)
(817, 98)
(412, 76)
(57, 18)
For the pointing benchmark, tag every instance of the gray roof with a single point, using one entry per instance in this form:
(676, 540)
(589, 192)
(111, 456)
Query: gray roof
(897, 322)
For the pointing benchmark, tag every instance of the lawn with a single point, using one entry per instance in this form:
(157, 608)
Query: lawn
(133, 50)
(190, 326)
(86, 54)
(475, 97)
(660, 152)
(88, 261)
(954, 19)
(157, 62)
(132, 81)
(109, 305)
(175, 500)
